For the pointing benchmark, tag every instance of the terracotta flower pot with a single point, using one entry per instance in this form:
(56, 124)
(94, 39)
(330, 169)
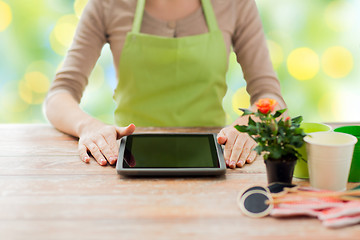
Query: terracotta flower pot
(279, 170)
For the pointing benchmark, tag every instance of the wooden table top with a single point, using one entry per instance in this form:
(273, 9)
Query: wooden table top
(46, 192)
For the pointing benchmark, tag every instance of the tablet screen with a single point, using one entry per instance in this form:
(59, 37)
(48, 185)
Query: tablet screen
(170, 151)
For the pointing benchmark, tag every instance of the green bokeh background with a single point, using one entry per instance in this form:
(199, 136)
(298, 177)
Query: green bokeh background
(319, 40)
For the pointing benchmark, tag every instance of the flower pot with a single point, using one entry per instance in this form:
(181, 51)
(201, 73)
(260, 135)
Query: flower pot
(279, 170)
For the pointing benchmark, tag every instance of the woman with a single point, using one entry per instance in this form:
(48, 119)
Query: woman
(171, 58)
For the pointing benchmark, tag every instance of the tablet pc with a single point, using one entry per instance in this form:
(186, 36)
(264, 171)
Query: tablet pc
(171, 154)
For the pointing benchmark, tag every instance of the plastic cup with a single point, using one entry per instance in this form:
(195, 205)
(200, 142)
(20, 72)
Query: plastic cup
(301, 167)
(354, 175)
(329, 158)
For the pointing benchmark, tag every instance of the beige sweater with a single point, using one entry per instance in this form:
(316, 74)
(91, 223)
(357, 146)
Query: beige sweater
(108, 21)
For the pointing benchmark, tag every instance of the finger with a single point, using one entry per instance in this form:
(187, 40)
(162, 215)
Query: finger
(83, 153)
(221, 137)
(125, 131)
(95, 151)
(252, 157)
(237, 151)
(114, 149)
(229, 148)
(253, 154)
(110, 138)
(246, 150)
(105, 149)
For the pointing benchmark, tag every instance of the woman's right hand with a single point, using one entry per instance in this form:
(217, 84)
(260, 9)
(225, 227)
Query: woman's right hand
(95, 137)
(100, 140)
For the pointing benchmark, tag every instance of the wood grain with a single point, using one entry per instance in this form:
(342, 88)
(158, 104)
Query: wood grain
(46, 192)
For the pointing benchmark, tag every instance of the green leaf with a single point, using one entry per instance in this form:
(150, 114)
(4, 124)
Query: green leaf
(241, 128)
(258, 149)
(297, 120)
(251, 122)
(279, 112)
(275, 153)
(246, 111)
(297, 141)
(299, 131)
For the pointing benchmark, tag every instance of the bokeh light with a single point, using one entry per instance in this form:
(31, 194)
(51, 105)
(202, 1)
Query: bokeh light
(337, 62)
(12, 106)
(5, 15)
(240, 99)
(25, 92)
(328, 105)
(79, 6)
(33, 87)
(37, 82)
(340, 15)
(348, 98)
(303, 63)
(276, 53)
(62, 35)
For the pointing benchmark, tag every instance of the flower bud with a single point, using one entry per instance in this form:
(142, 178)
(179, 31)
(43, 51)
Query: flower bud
(274, 127)
(287, 122)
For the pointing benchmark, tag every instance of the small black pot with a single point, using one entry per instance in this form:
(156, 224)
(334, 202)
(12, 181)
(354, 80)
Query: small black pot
(279, 170)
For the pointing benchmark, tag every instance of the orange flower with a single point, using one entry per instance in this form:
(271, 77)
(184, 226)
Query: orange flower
(266, 105)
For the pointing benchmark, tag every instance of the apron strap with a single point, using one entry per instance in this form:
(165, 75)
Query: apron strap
(206, 5)
(139, 12)
(209, 15)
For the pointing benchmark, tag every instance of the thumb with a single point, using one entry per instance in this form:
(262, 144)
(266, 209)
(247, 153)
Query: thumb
(125, 131)
(221, 138)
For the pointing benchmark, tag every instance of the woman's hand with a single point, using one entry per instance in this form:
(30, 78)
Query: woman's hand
(239, 147)
(96, 137)
(100, 140)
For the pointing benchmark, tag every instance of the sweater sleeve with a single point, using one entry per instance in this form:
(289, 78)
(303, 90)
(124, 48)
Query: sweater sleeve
(89, 39)
(250, 46)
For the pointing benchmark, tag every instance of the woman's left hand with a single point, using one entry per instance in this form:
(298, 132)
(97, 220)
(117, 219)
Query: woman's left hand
(239, 147)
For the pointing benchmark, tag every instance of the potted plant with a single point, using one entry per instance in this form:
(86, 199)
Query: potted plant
(277, 139)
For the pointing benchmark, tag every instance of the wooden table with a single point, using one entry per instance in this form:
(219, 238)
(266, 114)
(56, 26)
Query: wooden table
(48, 193)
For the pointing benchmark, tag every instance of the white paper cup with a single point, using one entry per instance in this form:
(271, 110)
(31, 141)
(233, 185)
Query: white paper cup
(301, 167)
(329, 158)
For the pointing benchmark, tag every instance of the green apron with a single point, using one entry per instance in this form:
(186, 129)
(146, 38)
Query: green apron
(172, 82)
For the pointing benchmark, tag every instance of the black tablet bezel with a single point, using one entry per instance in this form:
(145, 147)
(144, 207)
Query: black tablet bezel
(178, 171)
